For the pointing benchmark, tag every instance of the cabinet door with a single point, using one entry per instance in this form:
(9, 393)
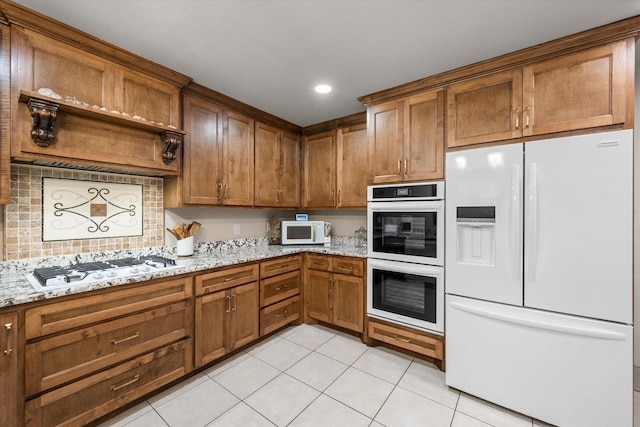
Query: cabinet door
(485, 109)
(245, 315)
(203, 124)
(424, 137)
(351, 170)
(211, 323)
(267, 166)
(318, 297)
(319, 171)
(385, 133)
(237, 156)
(348, 302)
(9, 369)
(290, 166)
(583, 90)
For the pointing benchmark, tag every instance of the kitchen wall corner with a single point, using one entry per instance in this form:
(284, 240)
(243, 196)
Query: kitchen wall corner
(22, 218)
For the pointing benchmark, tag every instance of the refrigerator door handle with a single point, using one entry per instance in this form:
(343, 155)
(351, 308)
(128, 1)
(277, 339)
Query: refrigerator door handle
(559, 327)
(533, 227)
(514, 224)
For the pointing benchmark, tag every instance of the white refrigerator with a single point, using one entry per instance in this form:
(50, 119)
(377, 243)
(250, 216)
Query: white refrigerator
(538, 277)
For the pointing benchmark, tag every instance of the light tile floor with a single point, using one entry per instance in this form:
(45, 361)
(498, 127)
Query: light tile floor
(310, 375)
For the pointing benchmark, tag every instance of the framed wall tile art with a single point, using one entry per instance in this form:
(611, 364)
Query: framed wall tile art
(75, 209)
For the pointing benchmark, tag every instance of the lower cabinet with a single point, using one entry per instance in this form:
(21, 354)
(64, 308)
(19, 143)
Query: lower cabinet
(280, 284)
(430, 345)
(9, 408)
(226, 311)
(88, 356)
(334, 290)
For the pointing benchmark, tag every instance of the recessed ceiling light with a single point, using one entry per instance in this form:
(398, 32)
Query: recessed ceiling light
(323, 88)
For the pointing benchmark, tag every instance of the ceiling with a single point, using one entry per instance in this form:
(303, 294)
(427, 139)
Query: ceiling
(271, 53)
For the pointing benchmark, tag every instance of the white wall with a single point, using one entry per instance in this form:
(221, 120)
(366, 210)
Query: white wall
(636, 218)
(218, 222)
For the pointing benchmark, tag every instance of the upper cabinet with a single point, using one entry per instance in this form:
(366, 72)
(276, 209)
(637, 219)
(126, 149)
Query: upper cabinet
(583, 90)
(218, 156)
(351, 171)
(277, 167)
(406, 139)
(109, 115)
(334, 163)
(319, 179)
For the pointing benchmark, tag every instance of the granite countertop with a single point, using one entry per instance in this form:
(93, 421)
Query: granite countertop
(15, 288)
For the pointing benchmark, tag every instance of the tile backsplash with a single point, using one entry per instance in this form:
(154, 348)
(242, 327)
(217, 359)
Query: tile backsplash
(22, 221)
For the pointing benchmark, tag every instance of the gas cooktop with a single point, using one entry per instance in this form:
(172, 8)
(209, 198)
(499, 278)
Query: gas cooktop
(98, 271)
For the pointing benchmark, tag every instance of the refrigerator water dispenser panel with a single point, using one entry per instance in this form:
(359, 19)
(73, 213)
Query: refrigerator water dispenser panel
(475, 229)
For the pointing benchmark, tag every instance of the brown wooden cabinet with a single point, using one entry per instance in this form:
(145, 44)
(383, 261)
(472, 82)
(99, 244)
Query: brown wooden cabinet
(218, 156)
(226, 311)
(9, 391)
(578, 91)
(277, 167)
(319, 179)
(40, 61)
(406, 139)
(334, 168)
(351, 157)
(430, 345)
(280, 284)
(86, 357)
(334, 290)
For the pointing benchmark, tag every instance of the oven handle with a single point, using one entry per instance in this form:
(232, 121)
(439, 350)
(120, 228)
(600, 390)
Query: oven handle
(420, 206)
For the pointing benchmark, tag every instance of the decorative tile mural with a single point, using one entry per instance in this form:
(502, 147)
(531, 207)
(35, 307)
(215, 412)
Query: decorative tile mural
(22, 217)
(90, 209)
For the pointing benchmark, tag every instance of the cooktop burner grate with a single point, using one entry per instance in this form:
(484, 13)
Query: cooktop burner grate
(96, 270)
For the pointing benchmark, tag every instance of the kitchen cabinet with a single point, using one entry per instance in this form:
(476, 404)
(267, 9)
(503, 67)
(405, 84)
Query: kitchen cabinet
(351, 156)
(280, 284)
(430, 345)
(226, 311)
(334, 290)
(117, 141)
(9, 391)
(582, 90)
(5, 115)
(319, 165)
(406, 139)
(277, 167)
(88, 356)
(334, 168)
(218, 156)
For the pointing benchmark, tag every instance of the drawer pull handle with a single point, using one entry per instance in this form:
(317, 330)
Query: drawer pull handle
(118, 387)
(135, 335)
(8, 327)
(231, 278)
(277, 289)
(407, 340)
(283, 266)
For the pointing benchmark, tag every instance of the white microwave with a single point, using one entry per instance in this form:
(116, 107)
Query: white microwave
(302, 232)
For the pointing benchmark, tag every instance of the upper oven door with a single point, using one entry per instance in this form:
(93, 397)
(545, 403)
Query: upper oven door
(406, 231)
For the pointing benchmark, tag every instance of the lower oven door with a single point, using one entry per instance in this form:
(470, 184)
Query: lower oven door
(406, 293)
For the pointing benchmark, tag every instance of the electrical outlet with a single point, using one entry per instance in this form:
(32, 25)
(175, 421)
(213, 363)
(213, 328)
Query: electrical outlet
(236, 229)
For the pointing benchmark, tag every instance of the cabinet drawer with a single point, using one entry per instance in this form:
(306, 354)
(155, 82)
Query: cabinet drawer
(277, 288)
(57, 360)
(279, 266)
(420, 342)
(90, 398)
(57, 317)
(277, 315)
(348, 266)
(319, 262)
(226, 278)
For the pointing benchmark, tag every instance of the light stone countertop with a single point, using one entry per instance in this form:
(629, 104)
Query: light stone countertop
(15, 288)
